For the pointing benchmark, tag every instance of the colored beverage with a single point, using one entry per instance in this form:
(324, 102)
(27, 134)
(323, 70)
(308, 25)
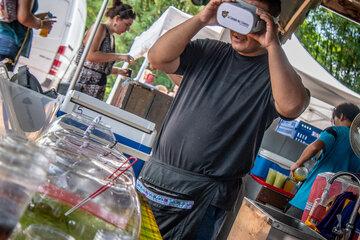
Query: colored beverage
(45, 215)
(300, 174)
(44, 32)
(270, 179)
(290, 186)
(279, 180)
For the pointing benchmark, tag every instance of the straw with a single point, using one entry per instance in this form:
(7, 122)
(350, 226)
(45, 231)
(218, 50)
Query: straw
(112, 178)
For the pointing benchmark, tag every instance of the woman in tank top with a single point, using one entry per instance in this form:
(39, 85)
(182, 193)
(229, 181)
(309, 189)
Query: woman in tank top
(101, 57)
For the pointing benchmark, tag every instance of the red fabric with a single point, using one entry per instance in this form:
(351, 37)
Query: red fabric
(278, 190)
(339, 186)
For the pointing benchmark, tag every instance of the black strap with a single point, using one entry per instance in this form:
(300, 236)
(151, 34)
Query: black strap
(331, 131)
(26, 79)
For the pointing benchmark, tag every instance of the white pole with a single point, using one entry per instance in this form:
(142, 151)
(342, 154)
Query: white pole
(142, 69)
(116, 84)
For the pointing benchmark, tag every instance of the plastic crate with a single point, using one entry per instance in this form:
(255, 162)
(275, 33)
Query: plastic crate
(306, 133)
(287, 128)
(299, 131)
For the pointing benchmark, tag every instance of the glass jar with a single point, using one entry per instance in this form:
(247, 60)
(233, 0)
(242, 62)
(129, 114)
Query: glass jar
(84, 161)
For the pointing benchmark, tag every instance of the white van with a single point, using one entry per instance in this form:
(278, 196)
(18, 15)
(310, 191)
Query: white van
(50, 58)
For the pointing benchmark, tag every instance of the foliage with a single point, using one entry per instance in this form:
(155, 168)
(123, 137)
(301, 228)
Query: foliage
(334, 42)
(330, 39)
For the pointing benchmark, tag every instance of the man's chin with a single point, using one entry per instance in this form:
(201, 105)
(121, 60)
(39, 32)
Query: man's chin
(240, 47)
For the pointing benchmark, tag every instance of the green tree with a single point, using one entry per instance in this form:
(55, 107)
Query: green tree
(334, 42)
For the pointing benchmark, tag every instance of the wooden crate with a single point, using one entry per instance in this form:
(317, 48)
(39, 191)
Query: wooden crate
(143, 101)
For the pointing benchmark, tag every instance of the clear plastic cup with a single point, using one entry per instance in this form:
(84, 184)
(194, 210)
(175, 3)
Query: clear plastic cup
(280, 180)
(271, 176)
(23, 167)
(290, 186)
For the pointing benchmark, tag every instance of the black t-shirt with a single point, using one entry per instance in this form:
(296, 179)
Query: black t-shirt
(214, 126)
(218, 118)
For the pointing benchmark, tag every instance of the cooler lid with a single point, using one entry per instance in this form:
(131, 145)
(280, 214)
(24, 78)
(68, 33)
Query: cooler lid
(112, 112)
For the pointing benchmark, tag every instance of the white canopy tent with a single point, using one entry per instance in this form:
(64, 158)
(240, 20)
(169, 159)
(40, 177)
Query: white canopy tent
(326, 91)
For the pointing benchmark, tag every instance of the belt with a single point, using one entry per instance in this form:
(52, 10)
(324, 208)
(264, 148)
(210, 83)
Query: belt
(199, 176)
(163, 200)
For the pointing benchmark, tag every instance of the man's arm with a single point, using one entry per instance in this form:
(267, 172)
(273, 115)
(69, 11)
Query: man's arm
(290, 95)
(165, 53)
(309, 152)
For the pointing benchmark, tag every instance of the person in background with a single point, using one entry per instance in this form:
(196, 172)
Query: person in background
(229, 94)
(336, 156)
(102, 57)
(16, 36)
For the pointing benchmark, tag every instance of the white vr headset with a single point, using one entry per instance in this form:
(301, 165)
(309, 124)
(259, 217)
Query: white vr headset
(240, 17)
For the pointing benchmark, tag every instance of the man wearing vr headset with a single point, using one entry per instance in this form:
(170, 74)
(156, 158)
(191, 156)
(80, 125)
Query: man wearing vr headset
(228, 96)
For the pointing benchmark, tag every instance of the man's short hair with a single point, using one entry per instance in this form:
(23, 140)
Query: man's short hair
(274, 6)
(348, 110)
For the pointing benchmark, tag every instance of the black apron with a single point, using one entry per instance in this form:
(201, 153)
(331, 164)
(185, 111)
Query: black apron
(177, 222)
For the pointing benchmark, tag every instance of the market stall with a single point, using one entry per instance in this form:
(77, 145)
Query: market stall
(96, 199)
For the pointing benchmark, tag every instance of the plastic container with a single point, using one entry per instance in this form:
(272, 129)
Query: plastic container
(83, 165)
(299, 131)
(290, 186)
(279, 180)
(23, 168)
(44, 32)
(24, 112)
(287, 128)
(270, 179)
(262, 165)
(39, 231)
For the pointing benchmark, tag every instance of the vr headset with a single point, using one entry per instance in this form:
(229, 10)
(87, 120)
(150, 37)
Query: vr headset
(240, 17)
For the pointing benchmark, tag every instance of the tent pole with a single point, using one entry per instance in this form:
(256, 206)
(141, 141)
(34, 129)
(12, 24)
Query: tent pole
(119, 78)
(116, 84)
(88, 44)
(142, 69)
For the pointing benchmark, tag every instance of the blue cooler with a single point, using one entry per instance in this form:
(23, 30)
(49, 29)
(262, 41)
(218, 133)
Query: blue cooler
(262, 165)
